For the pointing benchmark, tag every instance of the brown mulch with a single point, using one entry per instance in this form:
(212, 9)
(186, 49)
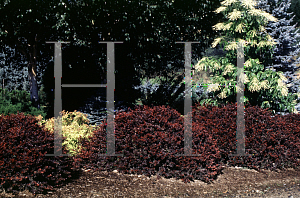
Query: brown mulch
(234, 182)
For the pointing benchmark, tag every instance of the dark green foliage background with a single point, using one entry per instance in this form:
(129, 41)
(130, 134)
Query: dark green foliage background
(148, 29)
(18, 101)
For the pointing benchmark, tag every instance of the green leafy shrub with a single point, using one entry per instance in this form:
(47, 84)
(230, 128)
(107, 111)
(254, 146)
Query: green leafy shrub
(18, 101)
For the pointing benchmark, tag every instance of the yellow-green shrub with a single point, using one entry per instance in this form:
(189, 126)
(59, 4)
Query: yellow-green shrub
(74, 125)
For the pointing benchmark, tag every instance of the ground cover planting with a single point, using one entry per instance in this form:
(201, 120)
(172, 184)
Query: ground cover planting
(150, 139)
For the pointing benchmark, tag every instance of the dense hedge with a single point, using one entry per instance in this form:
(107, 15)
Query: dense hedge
(151, 140)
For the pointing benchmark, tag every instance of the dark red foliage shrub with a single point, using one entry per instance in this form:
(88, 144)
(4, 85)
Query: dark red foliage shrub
(23, 164)
(273, 142)
(294, 121)
(150, 140)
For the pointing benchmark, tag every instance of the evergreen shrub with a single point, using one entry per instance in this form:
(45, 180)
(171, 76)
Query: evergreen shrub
(18, 101)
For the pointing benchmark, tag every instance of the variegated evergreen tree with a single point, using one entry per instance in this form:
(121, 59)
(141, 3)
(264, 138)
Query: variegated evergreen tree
(263, 87)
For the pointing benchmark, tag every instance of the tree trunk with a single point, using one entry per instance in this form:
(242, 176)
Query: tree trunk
(34, 97)
(34, 91)
(32, 63)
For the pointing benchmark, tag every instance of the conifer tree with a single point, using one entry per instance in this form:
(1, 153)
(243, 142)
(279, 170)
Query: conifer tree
(295, 8)
(263, 87)
(286, 52)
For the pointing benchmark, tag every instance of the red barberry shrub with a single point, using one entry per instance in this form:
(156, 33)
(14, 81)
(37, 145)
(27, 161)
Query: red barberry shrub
(294, 120)
(270, 141)
(150, 138)
(23, 164)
